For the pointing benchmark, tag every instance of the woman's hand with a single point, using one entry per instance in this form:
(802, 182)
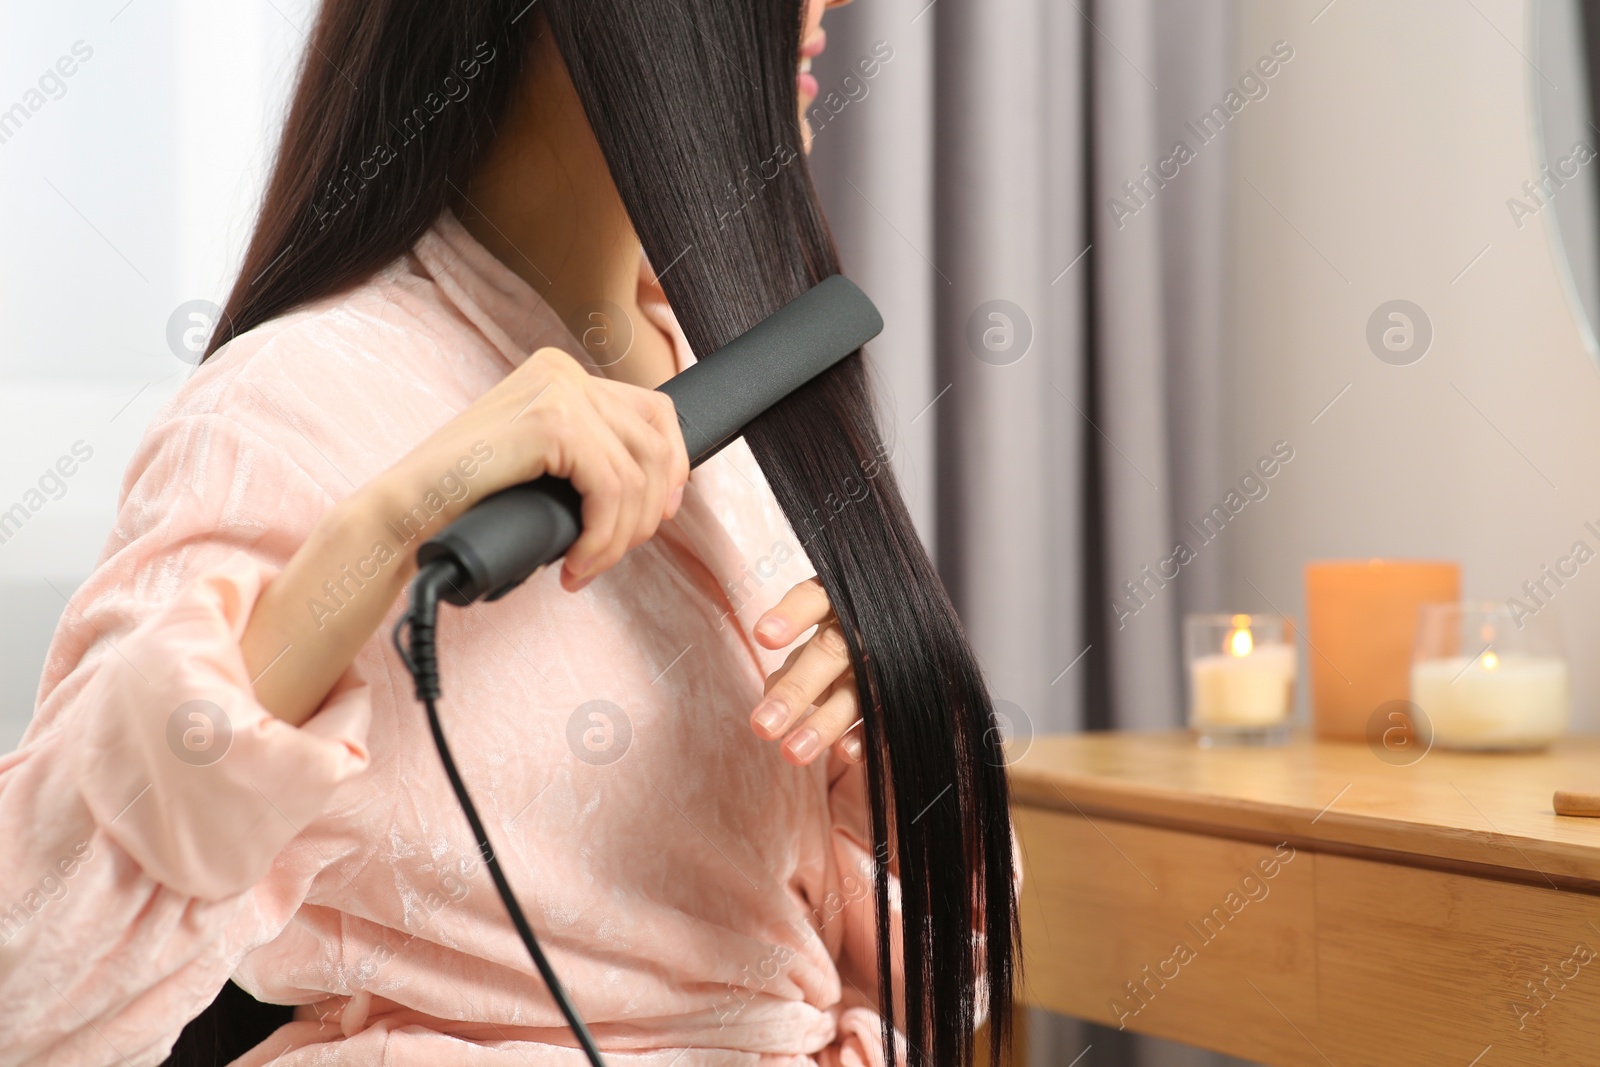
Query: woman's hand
(817, 673)
(618, 444)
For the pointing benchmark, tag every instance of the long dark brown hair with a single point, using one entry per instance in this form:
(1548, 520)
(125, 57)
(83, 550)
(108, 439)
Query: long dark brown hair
(396, 104)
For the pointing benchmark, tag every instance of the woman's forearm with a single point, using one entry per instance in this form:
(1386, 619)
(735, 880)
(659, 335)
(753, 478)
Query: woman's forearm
(310, 623)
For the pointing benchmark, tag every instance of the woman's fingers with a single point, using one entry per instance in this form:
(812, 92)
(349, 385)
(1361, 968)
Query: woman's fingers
(815, 673)
(850, 745)
(601, 488)
(642, 423)
(611, 483)
(657, 409)
(637, 436)
(593, 473)
(801, 608)
(801, 682)
(828, 724)
(645, 469)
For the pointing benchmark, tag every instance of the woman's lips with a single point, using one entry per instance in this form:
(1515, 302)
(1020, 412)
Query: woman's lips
(812, 48)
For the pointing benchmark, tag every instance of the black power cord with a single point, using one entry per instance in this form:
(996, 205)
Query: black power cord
(421, 660)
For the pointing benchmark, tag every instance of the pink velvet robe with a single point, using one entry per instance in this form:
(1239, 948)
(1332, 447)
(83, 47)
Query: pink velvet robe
(704, 901)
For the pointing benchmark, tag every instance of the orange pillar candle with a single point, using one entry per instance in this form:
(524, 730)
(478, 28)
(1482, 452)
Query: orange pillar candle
(1361, 621)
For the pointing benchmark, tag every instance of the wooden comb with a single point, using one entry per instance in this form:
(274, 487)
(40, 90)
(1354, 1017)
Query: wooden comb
(1572, 803)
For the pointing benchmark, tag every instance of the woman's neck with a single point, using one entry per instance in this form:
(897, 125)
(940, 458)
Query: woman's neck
(544, 203)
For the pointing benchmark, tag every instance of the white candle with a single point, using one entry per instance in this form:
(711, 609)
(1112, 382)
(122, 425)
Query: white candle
(1244, 686)
(1493, 701)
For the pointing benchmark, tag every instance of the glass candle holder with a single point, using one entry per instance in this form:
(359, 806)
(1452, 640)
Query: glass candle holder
(1487, 677)
(1241, 671)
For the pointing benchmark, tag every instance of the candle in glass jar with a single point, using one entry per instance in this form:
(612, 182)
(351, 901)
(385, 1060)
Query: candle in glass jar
(1493, 701)
(1244, 685)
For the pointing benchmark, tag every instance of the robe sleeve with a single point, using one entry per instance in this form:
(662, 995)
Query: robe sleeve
(148, 811)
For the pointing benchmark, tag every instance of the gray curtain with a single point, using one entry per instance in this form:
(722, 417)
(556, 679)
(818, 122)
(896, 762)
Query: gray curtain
(1051, 369)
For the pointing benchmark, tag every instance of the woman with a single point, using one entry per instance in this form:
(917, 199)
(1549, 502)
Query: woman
(446, 295)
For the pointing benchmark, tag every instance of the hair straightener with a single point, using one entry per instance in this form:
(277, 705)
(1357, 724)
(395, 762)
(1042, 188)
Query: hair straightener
(505, 537)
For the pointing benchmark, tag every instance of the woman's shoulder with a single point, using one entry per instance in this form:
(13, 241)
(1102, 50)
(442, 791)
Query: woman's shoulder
(348, 382)
(393, 327)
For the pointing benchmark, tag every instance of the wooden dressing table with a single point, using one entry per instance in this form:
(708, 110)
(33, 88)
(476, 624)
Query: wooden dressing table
(1314, 904)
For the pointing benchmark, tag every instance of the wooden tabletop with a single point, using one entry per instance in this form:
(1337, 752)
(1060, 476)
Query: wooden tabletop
(1481, 813)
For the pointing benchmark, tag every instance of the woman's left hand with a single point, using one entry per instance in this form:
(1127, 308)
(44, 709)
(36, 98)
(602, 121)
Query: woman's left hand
(817, 673)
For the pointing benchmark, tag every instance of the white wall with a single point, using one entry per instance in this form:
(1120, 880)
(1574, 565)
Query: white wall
(1399, 132)
(127, 190)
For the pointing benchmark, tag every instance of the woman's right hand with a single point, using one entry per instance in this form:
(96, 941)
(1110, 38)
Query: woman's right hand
(618, 444)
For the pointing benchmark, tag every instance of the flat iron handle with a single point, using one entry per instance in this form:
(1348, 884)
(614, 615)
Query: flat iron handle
(508, 535)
